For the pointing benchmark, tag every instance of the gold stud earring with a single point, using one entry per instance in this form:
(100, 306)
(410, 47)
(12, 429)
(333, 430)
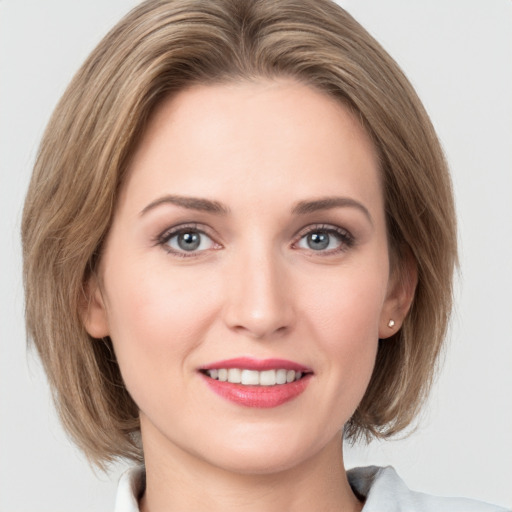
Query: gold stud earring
(391, 323)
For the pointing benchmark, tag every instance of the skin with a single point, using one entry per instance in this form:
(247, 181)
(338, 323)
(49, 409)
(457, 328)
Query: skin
(254, 288)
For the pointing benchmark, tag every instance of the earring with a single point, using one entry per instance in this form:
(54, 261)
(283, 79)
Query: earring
(391, 323)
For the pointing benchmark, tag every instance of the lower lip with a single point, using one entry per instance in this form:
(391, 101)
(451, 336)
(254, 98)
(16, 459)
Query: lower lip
(262, 397)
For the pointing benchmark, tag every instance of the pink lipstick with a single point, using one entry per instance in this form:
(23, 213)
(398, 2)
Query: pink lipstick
(257, 383)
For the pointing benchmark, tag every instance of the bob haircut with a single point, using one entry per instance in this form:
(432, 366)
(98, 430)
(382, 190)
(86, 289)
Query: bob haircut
(159, 48)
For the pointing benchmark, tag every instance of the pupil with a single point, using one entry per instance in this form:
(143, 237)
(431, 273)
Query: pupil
(318, 241)
(189, 241)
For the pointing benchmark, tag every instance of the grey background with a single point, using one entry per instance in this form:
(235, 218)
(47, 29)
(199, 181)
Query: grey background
(458, 54)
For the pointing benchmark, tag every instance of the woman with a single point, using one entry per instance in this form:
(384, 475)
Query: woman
(242, 218)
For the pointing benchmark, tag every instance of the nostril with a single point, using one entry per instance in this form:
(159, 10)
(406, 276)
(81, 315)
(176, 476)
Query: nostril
(260, 330)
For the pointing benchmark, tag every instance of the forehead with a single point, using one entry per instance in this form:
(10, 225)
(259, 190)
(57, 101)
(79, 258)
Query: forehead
(262, 136)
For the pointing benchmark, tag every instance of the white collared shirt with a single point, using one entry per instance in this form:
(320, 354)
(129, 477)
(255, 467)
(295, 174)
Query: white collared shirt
(382, 488)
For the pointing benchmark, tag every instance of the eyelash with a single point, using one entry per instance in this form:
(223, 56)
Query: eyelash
(345, 238)
(164, 238)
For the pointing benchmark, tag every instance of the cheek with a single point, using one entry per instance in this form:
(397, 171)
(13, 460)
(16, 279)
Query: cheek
(344, 317)
(153, 305)
(347, 303)
(156, 321)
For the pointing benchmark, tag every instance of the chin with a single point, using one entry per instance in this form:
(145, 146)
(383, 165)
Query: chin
(267, 452)
(251, 463)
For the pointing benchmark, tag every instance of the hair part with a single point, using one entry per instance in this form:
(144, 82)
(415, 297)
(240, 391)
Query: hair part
(159, 48)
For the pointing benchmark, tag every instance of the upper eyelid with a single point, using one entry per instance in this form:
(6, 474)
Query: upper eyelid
(323, 227)
(192, 226)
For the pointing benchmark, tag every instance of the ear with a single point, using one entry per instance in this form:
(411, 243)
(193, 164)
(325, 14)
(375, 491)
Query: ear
(93, 311)
(401, 289)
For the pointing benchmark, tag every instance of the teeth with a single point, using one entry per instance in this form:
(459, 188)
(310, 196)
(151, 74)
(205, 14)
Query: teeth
(253, 377)
(234, 375)
(281, 377)
(250, 377)
(268, 378)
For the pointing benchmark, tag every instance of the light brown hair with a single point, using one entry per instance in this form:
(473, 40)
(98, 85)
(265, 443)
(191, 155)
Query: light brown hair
(159, 48)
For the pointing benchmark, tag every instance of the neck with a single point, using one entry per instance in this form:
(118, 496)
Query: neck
(181, 481)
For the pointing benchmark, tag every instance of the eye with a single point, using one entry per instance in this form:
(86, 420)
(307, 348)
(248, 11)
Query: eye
(185, 241)
(325, 239)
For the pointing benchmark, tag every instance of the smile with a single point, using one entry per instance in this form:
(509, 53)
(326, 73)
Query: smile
(257, 383)
(253, 377)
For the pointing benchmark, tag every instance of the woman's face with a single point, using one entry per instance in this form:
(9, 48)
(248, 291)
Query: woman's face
(249, 242)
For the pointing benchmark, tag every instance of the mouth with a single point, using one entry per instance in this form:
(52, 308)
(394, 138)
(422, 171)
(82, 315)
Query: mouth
(247, 377)
(257, 383)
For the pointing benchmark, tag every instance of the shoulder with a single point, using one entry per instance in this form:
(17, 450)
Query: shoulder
(385, 491)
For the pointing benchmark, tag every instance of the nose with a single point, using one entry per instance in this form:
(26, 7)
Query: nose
(259, 298)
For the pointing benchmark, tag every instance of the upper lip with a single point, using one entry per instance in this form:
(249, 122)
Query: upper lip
(249, 363)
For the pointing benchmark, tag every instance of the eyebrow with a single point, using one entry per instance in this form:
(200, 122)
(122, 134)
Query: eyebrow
(327, 203)
(300, 208)
(190, 203)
